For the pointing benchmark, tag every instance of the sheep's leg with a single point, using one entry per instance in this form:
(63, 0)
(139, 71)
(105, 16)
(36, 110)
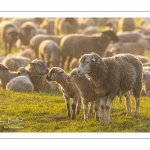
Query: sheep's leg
(91, 106)
(6, 52)
(9, 48)
(74, 103)
(108, 103)
(97, 114)
(79, 105)
(46, 58)
(103, 109)
(63, 61)
(67, 99)
(85, 104)
(137, 111)
(128, 104)
(69, 61)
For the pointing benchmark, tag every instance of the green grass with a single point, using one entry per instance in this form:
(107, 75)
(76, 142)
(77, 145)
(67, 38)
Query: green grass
(46, 112)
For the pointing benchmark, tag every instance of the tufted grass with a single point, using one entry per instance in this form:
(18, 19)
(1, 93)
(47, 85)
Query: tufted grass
(46, 112)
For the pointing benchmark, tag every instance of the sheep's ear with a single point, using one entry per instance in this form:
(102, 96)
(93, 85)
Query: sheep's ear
(93, 59)
(32, 63)
(60, 71)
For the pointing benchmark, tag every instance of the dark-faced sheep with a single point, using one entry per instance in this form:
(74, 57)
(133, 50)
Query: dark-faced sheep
(50, 51)
(113, 76)
(75, 45)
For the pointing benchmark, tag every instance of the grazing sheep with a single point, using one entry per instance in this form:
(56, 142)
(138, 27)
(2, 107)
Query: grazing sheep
(27, 31)
(48, 25)
(38, 70)
(91, 30)
(6, 75)
(21, 83)
(113, 76)
(87, 92)
(127, 24)
(146, 82)
(37, 39)
(8, 35)
(50, 51)
(13, 62)
(66, 26)
(135, 48)
(75, 45)
(69, 90)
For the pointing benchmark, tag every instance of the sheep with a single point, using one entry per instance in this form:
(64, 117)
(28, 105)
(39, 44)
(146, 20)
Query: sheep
(6, 75)
(127, 24)
(26, 53)
(113, 76)
(27, 31)
(13, 62)
(66, 26)
(75, 45)
(37, 39)
(48, 25)
(21, 83)
(87, 91)
(8, 35)
(112, 25)
(91, 30)
(69, 90)
(146, 82)
(50, 51)
(38, 70)
(136, 48)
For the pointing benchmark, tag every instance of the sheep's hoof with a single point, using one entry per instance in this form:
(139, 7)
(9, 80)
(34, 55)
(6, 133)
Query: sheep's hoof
(69, 115)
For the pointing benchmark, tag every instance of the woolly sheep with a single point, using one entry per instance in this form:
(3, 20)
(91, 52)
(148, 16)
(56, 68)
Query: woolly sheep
(113, 76)
(50, 51)
(127, 24)
(6, 75)
(69, 90)
(27, 31)
(146, 82)
(87, 91)
(75, 45)
(13, 62)
(21, 83)
(37, 39)
(135, 48)
(38, 70)
(8, 35)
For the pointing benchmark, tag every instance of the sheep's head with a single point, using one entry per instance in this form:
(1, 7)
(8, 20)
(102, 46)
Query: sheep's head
(56, 74)
(88, 62)
(22, 72)
(146, 75)
(3, 69)
(73, 76)
(38, 67)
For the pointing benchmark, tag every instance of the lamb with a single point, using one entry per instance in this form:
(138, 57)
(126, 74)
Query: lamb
(38, 70)
(127, 24)
(69, 90)
(27, 31)
(50, 51)
(113, 76)
(8, 35)
(87, 92)
(75, 45)
(135, 48)
(6, 75)
(146, 82)
(21, 83)
(66, 26)
(13, 62)
(37, 39)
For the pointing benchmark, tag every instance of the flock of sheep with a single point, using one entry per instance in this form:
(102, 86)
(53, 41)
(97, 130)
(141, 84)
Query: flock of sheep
(104, 63)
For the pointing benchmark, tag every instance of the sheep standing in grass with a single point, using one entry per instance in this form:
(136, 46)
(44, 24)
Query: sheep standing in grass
(113, 76)
(146, 82)
(38, 70)
(6, 75)
(69, 90)
(87, 92)
(21, 83)
(50, 51)
(75, 45)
